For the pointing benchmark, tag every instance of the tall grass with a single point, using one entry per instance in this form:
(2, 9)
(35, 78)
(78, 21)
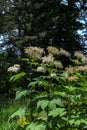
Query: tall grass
(8, 107)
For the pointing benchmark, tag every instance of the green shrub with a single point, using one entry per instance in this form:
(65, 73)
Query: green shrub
(56, 94)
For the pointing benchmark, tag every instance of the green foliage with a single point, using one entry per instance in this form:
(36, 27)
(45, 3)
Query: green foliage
(19, 94)
(35, 126)
(43, 104)
(17, 76)
(57, 112)
(7, 108)
(20, 113)
(55, 101)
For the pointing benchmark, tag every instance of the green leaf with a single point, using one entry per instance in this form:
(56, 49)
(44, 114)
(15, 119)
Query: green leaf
(19, 94)
(25, 59)
(33, 83)
(20, 113)
(58, 111)
(58, 102)
(85, 127)
(39, 82)
(43, 104)
(84, 121)
(34, 63)
(71, 121)
(42, 115)
(17, 76)
(42, 95)
(77, 122)
(35, 126)
(54, 102)
(62, 94)
(43, 83)
(52, 105)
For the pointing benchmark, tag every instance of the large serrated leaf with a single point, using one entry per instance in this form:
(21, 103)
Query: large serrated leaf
(33, 83)
(58, 102)
(52, 105)
(20, 113)
(43, 104)
(54, 102)
(35, 126)
(17, 76)
(71, 121)
(19, 94)
(58, 111)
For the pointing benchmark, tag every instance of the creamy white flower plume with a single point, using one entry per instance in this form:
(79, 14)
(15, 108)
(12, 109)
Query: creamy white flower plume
(34, 53)
(48, 59)
(40, 69)
(15, 68)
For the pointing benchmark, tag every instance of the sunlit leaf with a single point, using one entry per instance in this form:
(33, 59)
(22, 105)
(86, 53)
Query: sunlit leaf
(17, 76)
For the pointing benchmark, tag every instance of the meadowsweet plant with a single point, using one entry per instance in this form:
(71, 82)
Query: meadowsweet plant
(57, 95)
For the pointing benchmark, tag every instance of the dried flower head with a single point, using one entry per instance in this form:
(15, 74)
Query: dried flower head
(53, 74)
(15, 68)
(40, 69)
(53, 50)
(84, 60)
(78, 55)
(34, 53)
(70, 69)
(58, 64)
(82, 68)
(48, 59)
(63, 52)
(70, 77)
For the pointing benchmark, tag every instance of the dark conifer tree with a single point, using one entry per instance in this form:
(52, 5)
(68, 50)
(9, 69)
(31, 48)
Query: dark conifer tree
(42, 23)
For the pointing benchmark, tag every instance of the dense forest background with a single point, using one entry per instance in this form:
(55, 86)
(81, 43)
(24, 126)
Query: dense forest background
(43, 47)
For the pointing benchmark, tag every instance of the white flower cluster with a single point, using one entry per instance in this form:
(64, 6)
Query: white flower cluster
(34, 53)
(81, 57)
(40, 69)
(70, 69)
(48, 59)
(58, 64)
(56, 52)
(53, 50)
(84, 60)
(63, 52)
(53, 74)
(78, 55)
(82, 68)
(70, 77)
(15, 68)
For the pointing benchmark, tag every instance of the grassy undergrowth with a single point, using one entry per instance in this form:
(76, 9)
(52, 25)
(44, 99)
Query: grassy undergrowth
(7, 108)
